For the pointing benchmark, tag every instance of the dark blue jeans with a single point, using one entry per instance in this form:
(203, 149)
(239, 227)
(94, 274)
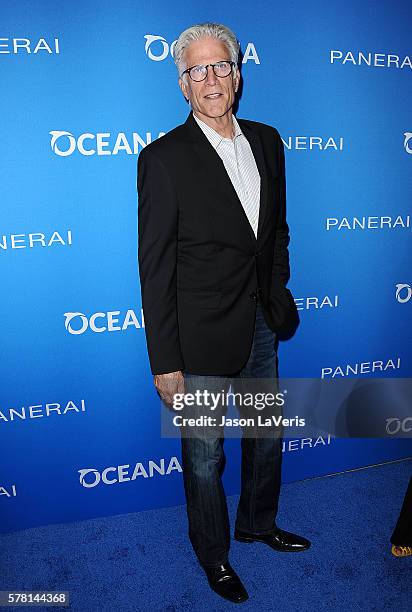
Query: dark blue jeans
(203, 462)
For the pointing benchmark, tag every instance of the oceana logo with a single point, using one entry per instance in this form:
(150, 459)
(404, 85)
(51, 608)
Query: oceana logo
(162, 47)
(408, 137)
(158, 49)
(77, 323)
(403, 292)
(90, 477)
(64, 143)
(395, 425)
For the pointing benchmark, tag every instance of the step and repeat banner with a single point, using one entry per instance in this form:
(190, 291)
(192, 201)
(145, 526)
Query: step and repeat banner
(85, 85)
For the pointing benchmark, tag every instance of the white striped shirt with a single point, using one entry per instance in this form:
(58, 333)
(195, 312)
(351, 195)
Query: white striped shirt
(240, 164)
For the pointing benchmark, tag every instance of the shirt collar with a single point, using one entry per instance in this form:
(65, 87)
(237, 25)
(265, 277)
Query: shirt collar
(214, 137)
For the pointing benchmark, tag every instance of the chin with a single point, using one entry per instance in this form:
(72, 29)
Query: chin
(215, 110)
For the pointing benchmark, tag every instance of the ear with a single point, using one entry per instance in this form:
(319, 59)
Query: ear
(236, 79)
(183, 88)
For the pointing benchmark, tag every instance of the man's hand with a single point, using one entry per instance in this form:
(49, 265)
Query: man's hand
(169, 384)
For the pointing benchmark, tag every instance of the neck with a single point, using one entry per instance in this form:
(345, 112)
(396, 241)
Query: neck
(222, 125)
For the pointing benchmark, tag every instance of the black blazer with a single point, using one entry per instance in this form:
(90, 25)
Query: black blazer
(200, 264)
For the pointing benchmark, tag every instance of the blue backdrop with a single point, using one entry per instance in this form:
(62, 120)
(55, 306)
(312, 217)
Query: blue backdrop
(85, 85)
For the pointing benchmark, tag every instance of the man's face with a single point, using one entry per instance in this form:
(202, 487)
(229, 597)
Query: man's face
(214, 96)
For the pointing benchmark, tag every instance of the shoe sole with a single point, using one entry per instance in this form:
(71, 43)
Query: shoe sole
(247, 540)
(227, 598)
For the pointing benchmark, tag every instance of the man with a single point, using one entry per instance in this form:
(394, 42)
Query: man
(214, 265)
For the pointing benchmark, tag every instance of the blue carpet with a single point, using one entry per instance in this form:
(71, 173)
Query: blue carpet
(144, 561)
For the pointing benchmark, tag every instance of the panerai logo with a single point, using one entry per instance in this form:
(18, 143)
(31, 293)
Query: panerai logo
(27, 46)
(362, 367)
(23, 241)
(370, 59)
(368, 223)
(38, 411)
(10, 491)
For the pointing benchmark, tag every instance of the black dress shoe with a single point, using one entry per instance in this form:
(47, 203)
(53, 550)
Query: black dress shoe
(226, 583)
(278, 540)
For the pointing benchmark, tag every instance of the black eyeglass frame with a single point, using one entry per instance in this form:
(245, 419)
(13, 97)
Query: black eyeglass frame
(232, 64)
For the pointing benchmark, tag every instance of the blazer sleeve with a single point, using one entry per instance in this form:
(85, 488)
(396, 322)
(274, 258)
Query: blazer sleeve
(157, 253)
(280, 267)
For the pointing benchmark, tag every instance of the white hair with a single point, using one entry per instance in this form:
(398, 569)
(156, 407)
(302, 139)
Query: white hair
(203, 30)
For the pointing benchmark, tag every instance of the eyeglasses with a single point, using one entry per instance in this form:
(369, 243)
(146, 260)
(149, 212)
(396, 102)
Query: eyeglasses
(199, 73)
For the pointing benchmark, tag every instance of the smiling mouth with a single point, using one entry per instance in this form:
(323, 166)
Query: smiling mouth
(213, 96)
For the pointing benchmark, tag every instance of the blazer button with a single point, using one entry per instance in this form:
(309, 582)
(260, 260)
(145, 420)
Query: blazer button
(253, 296)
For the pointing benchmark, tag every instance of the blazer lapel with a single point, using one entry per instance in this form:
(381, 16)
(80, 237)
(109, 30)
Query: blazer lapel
(217, 170)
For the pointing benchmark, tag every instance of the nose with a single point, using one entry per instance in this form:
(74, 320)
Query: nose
(211, 78)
